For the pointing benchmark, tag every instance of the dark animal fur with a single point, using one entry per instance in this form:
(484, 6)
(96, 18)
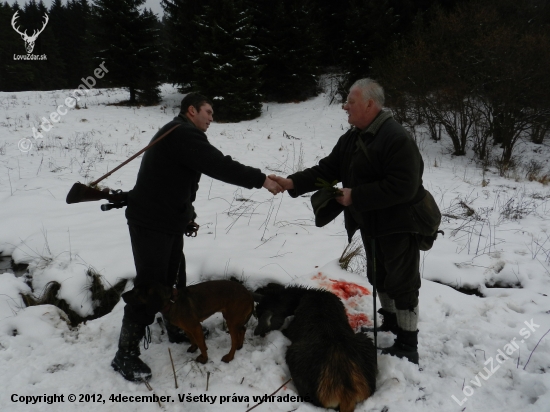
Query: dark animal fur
(196, 303)
(276, 303)
(327, 361)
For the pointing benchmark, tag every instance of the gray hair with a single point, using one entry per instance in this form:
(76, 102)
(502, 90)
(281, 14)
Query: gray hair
(370, 89)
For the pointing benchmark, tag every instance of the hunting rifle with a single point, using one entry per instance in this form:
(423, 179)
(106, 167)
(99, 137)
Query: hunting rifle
(117, 198)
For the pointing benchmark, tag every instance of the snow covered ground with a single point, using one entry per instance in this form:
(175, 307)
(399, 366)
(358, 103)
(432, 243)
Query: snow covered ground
(477, 352)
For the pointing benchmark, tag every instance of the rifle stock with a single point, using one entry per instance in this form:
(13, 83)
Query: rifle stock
(82, 193)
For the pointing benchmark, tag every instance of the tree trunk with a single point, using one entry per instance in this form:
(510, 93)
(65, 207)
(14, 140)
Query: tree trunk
(132, 95)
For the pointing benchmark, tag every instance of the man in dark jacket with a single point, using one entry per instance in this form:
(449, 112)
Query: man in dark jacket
(160, 210)
(380, 168)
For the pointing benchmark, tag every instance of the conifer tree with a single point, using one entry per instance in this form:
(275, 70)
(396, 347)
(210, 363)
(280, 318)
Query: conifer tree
(57, 25)
(227, 68)
(374, 24)
(51, 72)
(181, 35)
(288, 49)
(148, 90)
(377, 25)
(76, 46)
(127, 41)
(331, 16)
(58, 17)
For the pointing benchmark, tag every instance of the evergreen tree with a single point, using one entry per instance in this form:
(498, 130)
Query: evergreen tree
(181, 35)
(57, 27)
(51, 72)
(331, 16)
(148, 90)
(374, 23)
(227, 66)
(77, 47)
(126, 39)
(58, 18)
(288, 49)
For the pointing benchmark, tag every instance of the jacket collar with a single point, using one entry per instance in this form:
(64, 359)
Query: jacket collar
(181, 118)
(378, 122)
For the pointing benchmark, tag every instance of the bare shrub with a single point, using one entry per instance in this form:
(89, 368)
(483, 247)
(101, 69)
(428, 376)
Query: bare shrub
(539, 128)
(479, 71)
(514, 206)
(533, 169)
(353, 258)
(334, 85)
(506, 168)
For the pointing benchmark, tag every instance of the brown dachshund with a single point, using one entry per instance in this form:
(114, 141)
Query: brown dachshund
(193, 304)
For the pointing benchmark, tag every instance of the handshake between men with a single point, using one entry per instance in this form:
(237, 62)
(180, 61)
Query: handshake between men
(277, 184)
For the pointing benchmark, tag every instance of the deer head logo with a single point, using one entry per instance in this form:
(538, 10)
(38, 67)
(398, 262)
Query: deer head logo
(29, 40)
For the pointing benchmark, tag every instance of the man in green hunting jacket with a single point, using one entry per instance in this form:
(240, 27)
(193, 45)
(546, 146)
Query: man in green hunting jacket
(380, 168)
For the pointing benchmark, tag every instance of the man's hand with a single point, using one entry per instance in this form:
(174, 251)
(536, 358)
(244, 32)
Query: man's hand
(286, 184)
(345, 198)
(272, 186)
(191, 229)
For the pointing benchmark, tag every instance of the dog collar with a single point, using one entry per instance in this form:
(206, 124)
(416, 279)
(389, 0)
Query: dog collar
(171, 301)
(174, 296)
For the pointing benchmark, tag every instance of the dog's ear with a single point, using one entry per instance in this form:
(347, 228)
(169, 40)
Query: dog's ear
(270, 288)
(264, 323)
(257, 297)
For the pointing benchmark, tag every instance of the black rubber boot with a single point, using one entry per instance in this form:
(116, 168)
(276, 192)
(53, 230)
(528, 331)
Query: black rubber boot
(176, 335)
(389, 323)
(405, 346)
(127, 361)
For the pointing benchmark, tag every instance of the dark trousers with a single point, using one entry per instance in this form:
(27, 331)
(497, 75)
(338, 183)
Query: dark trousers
(158, 257)
(397, 267)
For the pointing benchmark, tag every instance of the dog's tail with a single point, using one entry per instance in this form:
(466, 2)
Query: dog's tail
(342, 382)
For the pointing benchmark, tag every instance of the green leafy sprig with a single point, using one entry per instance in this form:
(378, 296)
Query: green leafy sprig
(331, 187)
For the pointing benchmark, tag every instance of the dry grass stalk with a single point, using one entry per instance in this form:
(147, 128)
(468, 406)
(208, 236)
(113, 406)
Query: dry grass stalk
(353, 251)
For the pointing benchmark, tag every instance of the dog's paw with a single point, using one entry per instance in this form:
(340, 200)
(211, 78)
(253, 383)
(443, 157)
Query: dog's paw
(227, 358)
(202, 359)
(192, 348)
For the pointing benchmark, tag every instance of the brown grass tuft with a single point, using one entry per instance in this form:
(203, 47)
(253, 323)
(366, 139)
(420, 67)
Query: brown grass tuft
(353, 257)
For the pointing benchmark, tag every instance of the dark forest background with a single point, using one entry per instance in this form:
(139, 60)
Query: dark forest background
(476, 70)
